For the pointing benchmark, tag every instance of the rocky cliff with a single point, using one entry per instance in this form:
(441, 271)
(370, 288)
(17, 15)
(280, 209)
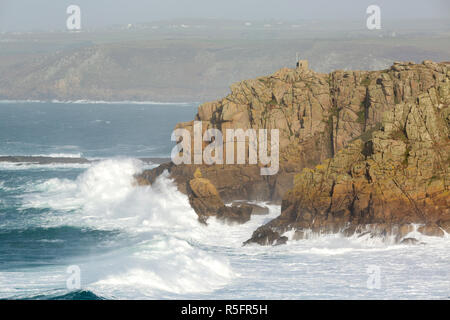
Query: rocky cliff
(358, 149)
(171, 63)
(379, 184)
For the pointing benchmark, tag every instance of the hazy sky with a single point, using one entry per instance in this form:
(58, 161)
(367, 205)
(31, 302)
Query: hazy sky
(24, 15)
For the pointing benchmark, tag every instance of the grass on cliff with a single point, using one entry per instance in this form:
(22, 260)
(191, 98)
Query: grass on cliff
(399, 134)
(366, 82)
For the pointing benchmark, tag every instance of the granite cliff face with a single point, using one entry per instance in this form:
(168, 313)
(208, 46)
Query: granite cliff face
(379, 184)
(359, 150)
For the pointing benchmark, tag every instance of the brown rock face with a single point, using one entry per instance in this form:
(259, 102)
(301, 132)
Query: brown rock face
(203, 197)
(318, 114)
(233, 182)
(366, 149)
(206, 202)
(397, 176)
(266, 236)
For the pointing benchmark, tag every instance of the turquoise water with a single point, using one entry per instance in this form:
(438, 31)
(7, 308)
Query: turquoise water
(145, 242)
(93, 130)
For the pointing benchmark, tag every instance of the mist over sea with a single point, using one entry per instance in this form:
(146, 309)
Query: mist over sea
(145, 242)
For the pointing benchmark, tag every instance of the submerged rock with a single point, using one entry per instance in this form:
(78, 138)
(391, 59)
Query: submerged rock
(410, 241)
(266, 236)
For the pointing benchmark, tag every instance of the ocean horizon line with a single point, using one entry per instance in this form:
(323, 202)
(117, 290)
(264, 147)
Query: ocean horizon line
(87, 101)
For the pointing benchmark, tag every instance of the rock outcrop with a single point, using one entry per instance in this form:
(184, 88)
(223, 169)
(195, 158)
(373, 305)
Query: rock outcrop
(233, 182)
(205, 200)
(366, 149)
(203, 197)
(381, 183)
(318, 114)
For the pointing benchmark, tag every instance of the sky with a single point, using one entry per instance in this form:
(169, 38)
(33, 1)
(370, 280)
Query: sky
(31, 15)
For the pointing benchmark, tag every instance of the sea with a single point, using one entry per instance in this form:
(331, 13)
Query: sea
(86, 231)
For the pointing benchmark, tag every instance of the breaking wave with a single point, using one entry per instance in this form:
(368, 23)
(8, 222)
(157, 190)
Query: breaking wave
(145, 242)
(163, 258)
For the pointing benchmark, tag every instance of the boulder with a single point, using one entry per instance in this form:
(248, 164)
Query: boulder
(266, 236)
(205, 200)
(203, 197)
(253, 208)
(412, 241)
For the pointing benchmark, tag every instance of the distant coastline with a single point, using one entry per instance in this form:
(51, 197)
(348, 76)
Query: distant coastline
(86, 101)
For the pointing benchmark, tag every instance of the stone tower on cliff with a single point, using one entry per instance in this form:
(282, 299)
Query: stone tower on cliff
(302, 64)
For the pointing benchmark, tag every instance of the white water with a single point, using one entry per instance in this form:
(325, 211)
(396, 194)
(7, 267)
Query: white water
(171, 255)
(60, 155)
(4, 166)
(161, 259)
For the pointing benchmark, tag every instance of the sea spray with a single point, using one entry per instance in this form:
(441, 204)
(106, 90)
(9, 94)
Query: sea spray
(158, 218)
(145, 242)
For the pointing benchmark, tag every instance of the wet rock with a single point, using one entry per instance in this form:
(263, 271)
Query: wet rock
(203, 197)
(233, 182)
(404, 230)
(266, 236)
(445, 225)
(205, 200)
(253, 208)
(413, 241)
(240, 214)
(431, 230)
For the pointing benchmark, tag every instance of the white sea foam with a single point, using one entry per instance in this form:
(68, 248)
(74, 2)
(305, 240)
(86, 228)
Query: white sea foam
(173, 256)
(165, 266)
(107, 197)
(6, 188)
(50, 166)
(60, 155)
(164, 260)
(6, 101)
